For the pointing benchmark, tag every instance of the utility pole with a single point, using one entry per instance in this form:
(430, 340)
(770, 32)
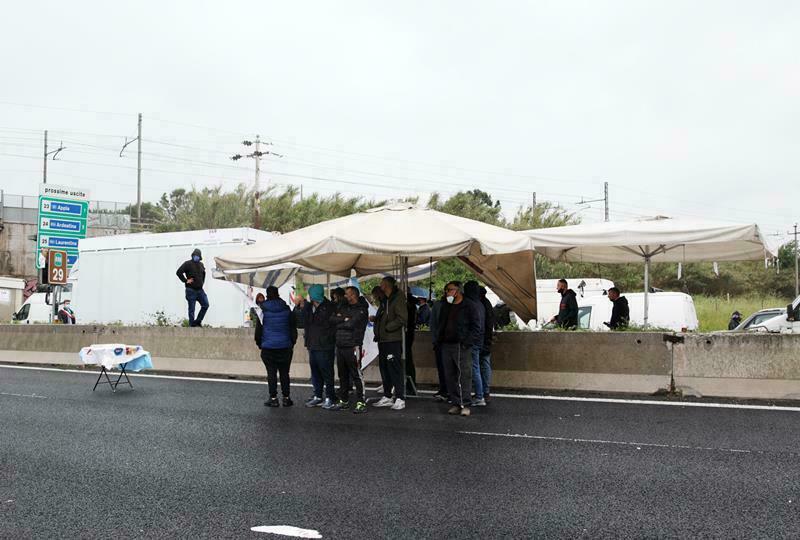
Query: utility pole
(796, 272)
(44, 163)
(533, 208)
(139, 173)
(606, 198)
(257, 194)
(46, 153)
(256, 155)
(138, 167)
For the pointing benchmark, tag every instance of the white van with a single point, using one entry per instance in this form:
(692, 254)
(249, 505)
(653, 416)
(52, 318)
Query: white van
(37, 310)
(672, 310)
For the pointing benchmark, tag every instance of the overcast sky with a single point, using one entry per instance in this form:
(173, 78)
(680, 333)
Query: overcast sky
(685, 108)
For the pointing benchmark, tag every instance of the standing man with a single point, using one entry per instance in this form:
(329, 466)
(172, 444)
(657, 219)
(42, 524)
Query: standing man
(567, 317)
(435, 321)
(390, 320)
(459, 332)
(486, 349)
(620, 313)
(320, 340)
(351, 320)
(193, 274)
(279, 335)
(411, 328)
(423, 312)
(65, 313)
(472, 293)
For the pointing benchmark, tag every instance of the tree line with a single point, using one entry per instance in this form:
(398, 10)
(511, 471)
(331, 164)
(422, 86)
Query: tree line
(284, 210)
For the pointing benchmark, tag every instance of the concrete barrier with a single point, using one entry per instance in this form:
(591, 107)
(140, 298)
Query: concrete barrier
(763, 366)
(624, 362)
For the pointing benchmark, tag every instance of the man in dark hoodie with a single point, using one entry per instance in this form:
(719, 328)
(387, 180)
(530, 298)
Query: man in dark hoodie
(486, 350)
(620, 313)
(193, 274)
(472, 292)
(351, 320)
(567, 317)
(320, 340)
(279, 335)
(459, 331)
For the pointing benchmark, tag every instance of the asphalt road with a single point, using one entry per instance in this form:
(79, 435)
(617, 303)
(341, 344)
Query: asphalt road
(179, 458)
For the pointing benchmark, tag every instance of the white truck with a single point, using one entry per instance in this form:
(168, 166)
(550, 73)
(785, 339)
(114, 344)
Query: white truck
(130, 279)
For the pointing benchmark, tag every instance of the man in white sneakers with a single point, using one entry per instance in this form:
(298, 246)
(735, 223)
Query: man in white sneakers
(390, 322)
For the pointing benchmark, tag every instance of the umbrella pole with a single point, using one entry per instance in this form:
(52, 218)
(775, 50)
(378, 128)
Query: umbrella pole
(646, 290)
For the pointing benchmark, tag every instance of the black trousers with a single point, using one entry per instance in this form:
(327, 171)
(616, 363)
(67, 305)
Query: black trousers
(277, 362)
(391, 365)
(411, 371)
(348, 361)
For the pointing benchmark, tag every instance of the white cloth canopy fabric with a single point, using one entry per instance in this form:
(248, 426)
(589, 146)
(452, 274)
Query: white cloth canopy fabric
(373, 242)
(662, 239)
(658, 239)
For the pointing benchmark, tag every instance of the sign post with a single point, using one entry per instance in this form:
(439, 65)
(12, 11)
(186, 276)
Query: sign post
(57, 273)
(63, 216)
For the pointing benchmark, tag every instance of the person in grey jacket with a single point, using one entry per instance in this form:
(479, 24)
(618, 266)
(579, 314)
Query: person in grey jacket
(390, 322)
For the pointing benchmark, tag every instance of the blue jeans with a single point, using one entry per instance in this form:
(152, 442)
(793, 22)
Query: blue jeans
(477, 382)
(486, 371)
(193, 296)
(321, 363)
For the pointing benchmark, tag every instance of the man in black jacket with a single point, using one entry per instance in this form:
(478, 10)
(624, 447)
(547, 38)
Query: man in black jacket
(486, 350)
(351, 320)
(567, 317)
(620, 313)
(193, 274)
(459, 329)
(319, 332)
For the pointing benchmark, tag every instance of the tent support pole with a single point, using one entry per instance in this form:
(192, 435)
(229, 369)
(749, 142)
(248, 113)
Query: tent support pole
(646, 290)
(410, 387)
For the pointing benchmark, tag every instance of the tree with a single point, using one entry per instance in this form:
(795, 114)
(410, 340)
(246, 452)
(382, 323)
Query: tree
(475, 204)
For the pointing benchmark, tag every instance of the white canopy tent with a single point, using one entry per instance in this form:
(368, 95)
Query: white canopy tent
(658, 239)
(392, 238)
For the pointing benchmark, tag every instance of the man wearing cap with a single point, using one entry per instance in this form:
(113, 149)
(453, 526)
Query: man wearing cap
(320, 340)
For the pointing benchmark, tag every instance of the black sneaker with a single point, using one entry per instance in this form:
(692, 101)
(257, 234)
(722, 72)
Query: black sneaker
(273, 402)
(287, 401)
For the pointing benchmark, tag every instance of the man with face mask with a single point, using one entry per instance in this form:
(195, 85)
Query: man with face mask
(567, 317)
(193, 274)
(459, 331)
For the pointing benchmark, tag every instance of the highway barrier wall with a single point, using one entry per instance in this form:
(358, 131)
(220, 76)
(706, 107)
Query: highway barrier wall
(730, 365)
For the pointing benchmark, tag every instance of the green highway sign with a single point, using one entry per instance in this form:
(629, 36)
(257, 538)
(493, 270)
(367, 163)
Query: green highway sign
(63, 217)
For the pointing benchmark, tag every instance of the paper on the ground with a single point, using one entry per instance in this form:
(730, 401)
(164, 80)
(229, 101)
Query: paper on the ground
(287, 530)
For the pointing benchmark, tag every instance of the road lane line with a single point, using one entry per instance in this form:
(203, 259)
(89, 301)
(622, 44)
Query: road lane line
(536, 397)
(23, 395)
(638, 445)
(287, 530)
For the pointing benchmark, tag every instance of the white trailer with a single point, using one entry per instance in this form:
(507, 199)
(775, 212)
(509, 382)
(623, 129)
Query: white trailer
(131, 278)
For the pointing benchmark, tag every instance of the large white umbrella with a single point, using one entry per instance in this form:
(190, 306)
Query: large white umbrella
(658, 239)
(392, 238)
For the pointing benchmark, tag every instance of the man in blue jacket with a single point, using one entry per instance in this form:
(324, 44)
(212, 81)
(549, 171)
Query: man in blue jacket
(279, 335)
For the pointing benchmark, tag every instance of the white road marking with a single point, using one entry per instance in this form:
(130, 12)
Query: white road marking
(22, 395)
(638, 445)
(537, 397)
(287, 530)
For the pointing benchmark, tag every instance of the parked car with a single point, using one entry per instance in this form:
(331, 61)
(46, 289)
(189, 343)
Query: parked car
(758, 318)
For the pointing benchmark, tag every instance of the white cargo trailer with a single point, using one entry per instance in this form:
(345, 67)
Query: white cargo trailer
(131, 278)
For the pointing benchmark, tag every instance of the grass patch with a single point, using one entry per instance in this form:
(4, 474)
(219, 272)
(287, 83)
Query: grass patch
(715, 312)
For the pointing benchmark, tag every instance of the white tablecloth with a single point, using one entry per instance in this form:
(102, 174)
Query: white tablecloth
(111, 355)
